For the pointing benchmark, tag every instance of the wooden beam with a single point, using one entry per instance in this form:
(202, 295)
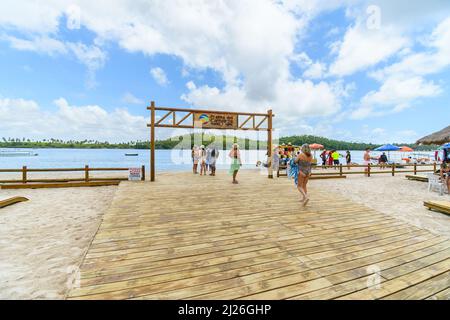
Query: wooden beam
(184, 118)
(243, 124)
(261, 122)
(207, 111)
(164, 117)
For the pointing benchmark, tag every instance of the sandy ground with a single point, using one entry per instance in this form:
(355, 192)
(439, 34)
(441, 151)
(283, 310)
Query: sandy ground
(42, 241)
(395, 196)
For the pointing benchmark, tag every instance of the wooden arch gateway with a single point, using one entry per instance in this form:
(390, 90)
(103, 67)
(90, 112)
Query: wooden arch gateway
(208, 119)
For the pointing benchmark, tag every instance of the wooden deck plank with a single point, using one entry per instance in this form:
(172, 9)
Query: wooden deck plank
(251, 241)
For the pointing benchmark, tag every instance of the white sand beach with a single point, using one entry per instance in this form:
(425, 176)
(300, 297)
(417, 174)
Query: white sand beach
(395, 196)
(42, 241)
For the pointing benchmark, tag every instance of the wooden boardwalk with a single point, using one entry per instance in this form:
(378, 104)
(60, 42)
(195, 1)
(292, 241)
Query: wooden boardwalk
(193, 237)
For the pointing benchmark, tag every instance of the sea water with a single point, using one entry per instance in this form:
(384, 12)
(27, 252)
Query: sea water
(166, 160)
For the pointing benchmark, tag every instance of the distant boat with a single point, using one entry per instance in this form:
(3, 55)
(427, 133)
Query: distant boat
(131, 154)
(7, 153)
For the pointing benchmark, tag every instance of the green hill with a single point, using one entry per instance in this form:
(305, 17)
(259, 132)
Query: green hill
(187, 141)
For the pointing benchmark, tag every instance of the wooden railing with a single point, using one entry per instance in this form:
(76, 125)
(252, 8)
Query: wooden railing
(368, 169)
(86, 177)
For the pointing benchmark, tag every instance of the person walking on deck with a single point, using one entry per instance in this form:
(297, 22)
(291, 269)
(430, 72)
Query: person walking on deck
(301, 171)
(208, 158)
(202, 160)
(236, 163)
(276, 159)
(195, 158)
(213, 159)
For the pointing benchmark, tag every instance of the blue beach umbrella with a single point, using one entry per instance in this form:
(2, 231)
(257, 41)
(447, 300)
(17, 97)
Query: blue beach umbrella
(446, 146)
(388, 147)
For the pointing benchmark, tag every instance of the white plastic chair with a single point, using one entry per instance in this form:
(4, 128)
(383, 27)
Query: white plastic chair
(434, 182)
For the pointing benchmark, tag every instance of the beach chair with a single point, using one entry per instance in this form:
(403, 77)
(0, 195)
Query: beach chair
(434, 183)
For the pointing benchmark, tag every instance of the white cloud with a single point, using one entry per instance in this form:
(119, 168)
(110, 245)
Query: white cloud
(403, 82)
(434, 59)
(395, 95)
(315, 71)
(131, 99)
(92, 56)
(363, 47)
(319, 99)
(40, 44)
(159, 75)
(69, 122)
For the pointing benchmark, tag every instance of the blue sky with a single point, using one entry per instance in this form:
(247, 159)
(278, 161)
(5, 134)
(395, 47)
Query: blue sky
(352, 70)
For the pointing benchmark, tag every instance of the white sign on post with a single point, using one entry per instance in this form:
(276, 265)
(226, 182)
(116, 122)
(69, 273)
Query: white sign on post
(134, 174)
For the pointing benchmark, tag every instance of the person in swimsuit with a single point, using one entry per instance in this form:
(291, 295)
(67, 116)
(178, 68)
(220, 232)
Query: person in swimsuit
(195, 158)
(367, 159)
(445, 173)
(202, 160)
(303, 161)
(236, 163)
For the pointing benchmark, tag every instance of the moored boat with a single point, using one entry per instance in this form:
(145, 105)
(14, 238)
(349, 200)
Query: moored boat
(16, 153)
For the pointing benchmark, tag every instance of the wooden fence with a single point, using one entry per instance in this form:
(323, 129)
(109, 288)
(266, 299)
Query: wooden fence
(85, 178)
(344, 169)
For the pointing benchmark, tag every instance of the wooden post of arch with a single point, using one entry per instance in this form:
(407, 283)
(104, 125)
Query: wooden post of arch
(152, 141)
(269, 144)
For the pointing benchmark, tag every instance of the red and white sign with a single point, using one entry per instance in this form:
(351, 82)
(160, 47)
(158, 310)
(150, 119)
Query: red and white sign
(134, 174)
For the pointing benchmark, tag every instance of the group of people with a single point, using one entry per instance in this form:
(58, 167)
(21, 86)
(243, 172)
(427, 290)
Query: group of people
(206, 158)
(331, 158)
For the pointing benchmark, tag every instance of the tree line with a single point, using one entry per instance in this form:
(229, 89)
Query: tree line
(187, 141)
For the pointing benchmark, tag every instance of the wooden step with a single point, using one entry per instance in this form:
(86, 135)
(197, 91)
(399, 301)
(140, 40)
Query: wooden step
(60, 185)
(10, 201)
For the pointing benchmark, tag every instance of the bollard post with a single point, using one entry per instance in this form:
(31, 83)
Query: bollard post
(24, 174)
(86, 173)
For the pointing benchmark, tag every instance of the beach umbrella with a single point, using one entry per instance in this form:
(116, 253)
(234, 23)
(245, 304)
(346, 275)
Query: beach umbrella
(406, 149)
(446, 146)
(388, 148)
(316, 146)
